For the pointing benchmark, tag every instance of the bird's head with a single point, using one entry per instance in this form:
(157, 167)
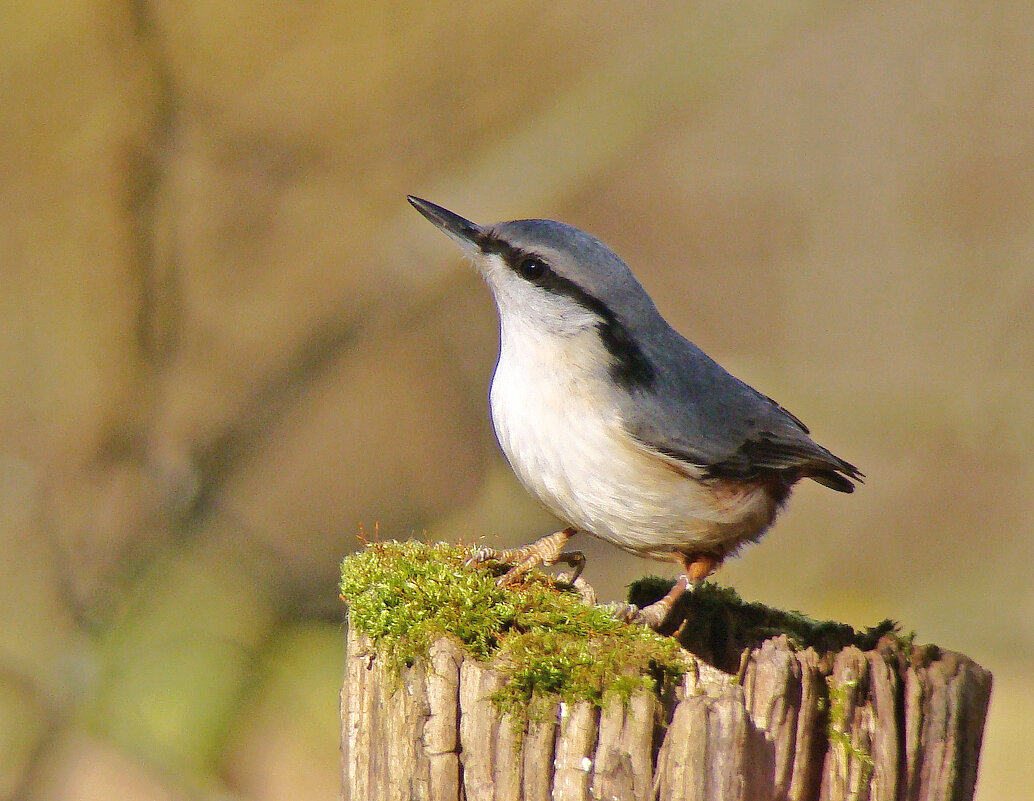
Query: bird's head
(555, 280)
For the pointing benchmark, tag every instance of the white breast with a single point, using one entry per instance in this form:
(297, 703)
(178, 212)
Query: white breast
(556, 416)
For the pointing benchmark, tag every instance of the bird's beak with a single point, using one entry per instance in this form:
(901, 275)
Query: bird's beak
(468, 234)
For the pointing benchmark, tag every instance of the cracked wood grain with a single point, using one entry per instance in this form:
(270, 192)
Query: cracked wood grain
(895, 722)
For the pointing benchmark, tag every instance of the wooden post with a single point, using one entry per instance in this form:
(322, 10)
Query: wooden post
(772, 707)
(894, 722)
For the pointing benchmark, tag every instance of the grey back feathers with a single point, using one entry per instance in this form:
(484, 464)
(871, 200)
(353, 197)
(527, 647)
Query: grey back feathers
(678, 401)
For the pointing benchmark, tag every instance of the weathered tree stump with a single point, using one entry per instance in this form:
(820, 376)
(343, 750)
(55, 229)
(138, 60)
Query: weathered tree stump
(881, 719)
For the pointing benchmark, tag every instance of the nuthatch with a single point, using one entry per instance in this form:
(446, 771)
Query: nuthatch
(618, 424)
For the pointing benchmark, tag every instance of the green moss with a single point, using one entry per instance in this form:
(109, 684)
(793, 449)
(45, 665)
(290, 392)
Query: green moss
(839, 730)
(717, 625)
(405, 595)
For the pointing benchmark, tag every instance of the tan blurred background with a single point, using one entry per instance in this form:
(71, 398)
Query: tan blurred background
(227, 341)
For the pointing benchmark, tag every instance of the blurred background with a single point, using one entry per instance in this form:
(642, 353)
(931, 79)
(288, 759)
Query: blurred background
(228, 342)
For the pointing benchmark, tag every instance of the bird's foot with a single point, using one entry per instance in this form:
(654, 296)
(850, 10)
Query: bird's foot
(698, 567)
(543, 552)
(656, 613)
(580, 586)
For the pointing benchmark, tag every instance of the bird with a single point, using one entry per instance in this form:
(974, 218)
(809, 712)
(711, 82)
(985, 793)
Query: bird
(618, 424)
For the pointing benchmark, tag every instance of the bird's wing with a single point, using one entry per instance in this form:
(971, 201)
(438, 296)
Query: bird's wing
(698, 414)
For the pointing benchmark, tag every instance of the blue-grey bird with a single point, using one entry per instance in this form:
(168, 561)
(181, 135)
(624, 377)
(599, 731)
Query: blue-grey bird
(617, 423)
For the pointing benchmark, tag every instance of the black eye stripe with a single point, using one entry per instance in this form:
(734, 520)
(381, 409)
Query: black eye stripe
(630, 367)
(537, 270)
(529, 266)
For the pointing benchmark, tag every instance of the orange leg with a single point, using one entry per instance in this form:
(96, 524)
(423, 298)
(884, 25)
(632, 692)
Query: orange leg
(543, 552)
(698, 566)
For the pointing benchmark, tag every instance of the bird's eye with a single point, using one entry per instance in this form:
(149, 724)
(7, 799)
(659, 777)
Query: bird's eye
(531, 268)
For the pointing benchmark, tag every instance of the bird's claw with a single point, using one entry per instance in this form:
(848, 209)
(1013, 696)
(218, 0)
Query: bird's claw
(479, 556)
(579, 585)
(511, 576)
(655, 615)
